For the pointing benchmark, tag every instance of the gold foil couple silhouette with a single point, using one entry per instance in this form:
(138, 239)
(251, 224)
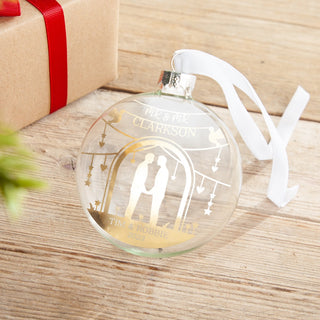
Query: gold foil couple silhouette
(158, 190)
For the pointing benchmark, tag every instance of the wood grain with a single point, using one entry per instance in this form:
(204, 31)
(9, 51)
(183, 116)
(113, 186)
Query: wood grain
(276, 45)
(263, 265)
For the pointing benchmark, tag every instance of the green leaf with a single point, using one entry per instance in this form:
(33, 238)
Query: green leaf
(13, 199)
(15, 167)
(8, 138)
(15, 163)
(29, 183)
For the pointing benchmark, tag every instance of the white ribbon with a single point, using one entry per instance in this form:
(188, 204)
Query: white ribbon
(198, 62)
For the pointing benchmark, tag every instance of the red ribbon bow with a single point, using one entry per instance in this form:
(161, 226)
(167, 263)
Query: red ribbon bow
(9, 8)
(57, 45)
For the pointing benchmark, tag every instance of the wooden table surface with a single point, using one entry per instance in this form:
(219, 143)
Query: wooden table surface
(265, 264)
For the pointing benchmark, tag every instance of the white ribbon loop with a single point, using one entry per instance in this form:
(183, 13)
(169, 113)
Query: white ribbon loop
(198, 62)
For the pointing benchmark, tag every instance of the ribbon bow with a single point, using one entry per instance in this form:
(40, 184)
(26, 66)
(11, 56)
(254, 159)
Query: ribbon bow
(9, 8)
(198, 62)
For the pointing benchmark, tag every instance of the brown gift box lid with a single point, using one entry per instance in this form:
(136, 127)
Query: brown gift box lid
(92, 45)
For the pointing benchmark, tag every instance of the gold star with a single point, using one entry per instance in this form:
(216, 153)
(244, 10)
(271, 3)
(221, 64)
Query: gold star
(87, 183)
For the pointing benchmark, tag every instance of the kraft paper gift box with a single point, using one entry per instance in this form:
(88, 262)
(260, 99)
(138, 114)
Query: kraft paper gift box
(91, 34)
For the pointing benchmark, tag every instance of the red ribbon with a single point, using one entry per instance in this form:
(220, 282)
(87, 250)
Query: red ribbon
(9, 8)
(57, 48)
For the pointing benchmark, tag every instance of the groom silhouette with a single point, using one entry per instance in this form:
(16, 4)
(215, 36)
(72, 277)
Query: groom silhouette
(159, 189)
(138, 184)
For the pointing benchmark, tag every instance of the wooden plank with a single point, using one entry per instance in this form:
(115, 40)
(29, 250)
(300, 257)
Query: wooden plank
(264, 264)
(276, 46)
(299, 12)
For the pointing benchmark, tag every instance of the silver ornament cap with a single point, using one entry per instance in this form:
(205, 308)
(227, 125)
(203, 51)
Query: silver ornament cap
(175, 83)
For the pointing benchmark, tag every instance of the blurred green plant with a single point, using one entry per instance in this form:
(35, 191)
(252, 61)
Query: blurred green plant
(15, 167)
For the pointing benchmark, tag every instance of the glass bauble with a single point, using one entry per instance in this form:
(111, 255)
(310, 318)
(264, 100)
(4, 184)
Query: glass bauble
(159, 173)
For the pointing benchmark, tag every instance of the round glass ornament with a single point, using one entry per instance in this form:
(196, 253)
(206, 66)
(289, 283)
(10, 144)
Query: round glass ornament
(159, 174)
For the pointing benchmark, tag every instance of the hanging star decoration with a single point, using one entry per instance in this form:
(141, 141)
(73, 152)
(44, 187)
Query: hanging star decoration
(208, 211)
(88, 182)
(97, 204)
